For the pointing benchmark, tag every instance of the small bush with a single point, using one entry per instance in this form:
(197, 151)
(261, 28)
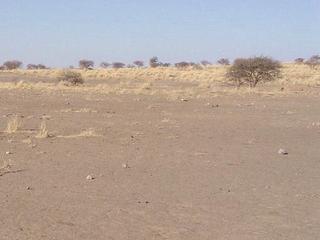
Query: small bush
(10, 65)
(86, 64)
(205, 63)
(313, 62)
(299, 60)
(36, 66)
(118, 65)
(154, 62)
(223, 61)
(165, 64)
(138, 63)
(105, 65)
(2, 68)
(251, 71)
(182, 65)
(71, 78)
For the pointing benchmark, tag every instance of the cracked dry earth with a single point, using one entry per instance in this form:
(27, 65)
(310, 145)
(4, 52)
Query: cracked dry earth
(159, 169)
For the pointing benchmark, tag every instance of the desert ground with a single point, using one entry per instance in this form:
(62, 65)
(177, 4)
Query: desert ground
(159, 154)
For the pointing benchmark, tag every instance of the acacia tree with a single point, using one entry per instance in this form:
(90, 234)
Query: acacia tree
(86, 64)
(14, 64)
(251, 71)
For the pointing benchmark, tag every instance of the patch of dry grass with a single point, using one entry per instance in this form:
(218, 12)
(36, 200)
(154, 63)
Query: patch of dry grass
(43, 131)
(85, 133)
(171, 82)
(13, 125)
(5, 167)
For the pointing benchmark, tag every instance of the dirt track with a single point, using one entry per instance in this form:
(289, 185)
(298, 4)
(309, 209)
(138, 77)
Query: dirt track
(200, 169)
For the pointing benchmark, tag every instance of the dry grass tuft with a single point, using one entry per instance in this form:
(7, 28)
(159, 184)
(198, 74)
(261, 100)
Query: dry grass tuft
(43, 131)
(5, 167)
(13, 125)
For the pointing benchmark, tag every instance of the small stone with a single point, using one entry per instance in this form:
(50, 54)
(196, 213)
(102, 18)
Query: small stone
(8, 153)
(125, 165)
(29, 188)
(90, 178)
(184, 100)
(283, 152)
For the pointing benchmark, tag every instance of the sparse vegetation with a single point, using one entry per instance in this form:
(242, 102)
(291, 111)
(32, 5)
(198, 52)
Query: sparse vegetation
(5, 167)
(154, 62)
(164, 64)
(86, 64)
(251, 71)
(138, 63)
(223, 61)
(71, 78)
(299, 60)
(105, 65)
(313, 62)
(205, 63)
(183, 65)
(36, 66)
(118, 65)
(11, 65)
(13, 125)
(43, 132)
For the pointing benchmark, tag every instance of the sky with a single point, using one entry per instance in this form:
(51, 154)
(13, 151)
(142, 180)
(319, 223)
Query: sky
(61, 32)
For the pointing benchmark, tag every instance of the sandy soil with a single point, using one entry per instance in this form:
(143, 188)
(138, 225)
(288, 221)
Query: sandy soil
(162, 169)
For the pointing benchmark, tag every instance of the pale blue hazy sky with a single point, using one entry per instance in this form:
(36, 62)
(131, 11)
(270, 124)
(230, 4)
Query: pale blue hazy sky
(60, 32)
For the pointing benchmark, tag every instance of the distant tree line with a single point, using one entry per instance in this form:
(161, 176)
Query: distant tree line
(313, 62)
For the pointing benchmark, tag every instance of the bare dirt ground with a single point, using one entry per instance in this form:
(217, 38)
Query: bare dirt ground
(161, 169)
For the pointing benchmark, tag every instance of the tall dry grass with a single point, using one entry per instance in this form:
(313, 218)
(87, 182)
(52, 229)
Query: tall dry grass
(171, 82)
